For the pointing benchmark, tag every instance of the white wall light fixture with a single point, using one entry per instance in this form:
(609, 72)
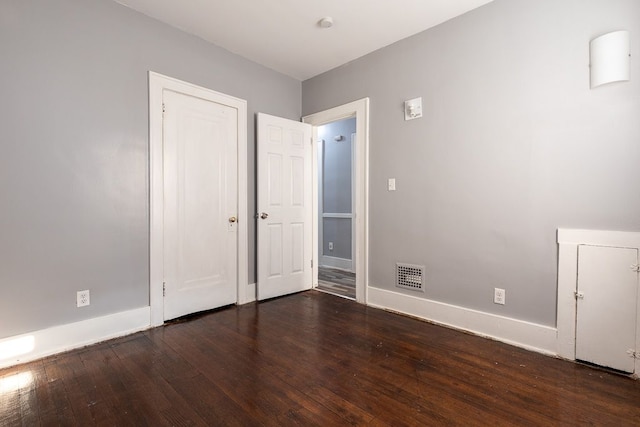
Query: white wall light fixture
(609, 56)
(413, 108)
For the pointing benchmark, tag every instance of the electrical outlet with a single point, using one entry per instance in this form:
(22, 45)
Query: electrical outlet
(499, 296)
(330, 246)
(83, 298)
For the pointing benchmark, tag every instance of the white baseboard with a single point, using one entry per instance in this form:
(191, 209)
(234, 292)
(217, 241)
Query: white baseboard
(530, 336)
(61, 338)
(333, 262)
(35, 345)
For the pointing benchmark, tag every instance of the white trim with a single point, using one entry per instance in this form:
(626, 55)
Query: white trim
(360, 110)
(568, 242)
(337, 215)
(335, 262)
(616, 239)
(157, 84)
(317, 234)
(61, 338)
(354, 144)
(530, 336)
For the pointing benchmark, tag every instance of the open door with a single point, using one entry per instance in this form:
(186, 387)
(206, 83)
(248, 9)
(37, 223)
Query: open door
(284, 186)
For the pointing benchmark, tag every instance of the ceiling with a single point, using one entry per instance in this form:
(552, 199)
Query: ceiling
(284, 35)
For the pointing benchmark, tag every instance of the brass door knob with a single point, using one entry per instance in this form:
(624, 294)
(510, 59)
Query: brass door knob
(233, 219)
(264, 215)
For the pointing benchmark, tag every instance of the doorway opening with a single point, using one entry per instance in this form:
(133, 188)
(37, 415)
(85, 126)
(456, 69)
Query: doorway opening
(360, 193)
(336, 207)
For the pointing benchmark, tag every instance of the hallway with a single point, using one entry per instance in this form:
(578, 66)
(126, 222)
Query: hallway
(337, 282)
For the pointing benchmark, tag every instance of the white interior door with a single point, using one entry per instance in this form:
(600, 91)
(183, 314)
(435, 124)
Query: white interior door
(284, 206)
(200, 140)
(606, 306)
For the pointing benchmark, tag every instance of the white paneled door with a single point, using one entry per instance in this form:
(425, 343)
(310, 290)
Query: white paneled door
(607, 295)
(284, 206)
(200, 141)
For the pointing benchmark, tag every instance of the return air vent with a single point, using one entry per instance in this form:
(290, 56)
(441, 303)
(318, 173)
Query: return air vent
(410, 277)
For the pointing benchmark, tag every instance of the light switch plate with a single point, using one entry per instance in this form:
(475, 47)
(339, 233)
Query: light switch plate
(413, 108)
(392, 184)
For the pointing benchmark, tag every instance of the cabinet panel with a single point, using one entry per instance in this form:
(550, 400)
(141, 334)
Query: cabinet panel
(607, 293)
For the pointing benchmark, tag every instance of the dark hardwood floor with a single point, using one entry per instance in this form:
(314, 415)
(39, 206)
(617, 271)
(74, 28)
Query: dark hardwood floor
(310, 359)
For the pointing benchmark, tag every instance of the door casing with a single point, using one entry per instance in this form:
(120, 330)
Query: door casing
(157, 84)
(360, 110)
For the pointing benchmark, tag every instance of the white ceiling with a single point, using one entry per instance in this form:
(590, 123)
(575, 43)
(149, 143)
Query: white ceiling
(284, 35)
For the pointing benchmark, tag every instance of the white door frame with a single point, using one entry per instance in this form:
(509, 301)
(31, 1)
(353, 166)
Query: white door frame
(157, 84)
(360, 110)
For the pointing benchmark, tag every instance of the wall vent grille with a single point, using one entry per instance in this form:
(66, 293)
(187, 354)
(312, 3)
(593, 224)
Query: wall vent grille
(410, 277)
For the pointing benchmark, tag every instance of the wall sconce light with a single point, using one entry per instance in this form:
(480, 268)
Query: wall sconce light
(413, 108)
(609, 57)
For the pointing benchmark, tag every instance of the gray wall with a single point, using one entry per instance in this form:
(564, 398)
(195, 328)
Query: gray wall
(336, 186)
(513, 144)
(74, 164)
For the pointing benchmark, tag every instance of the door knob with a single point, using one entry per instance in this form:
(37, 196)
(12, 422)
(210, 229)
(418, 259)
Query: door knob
(264, 215)
(233, 219)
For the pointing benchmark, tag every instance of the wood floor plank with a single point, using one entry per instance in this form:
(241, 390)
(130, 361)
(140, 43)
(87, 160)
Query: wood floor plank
(312, 359)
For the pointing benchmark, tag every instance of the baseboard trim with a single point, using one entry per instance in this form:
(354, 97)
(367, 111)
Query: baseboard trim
(531, 336)
(45, 342)
(334, 262)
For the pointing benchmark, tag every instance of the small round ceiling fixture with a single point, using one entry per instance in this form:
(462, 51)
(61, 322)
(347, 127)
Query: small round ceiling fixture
(326, 22)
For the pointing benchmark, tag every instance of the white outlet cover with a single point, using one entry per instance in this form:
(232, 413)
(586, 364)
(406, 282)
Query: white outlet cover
(499, 296)
(83, 298)
(391, 184)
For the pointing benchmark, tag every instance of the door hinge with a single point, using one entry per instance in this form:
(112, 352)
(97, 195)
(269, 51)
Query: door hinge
(163, 108)
(164, 289)
(636, 268)
(633, 354)
(311, 263)
(578, 295)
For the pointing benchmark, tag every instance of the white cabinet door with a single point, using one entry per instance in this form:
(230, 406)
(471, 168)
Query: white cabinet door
(607, 295)
(284, 206)
(200, 142)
